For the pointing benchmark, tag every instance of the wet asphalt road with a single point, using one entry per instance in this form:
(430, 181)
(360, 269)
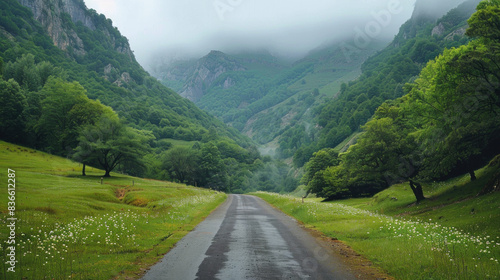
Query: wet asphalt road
(246, 238)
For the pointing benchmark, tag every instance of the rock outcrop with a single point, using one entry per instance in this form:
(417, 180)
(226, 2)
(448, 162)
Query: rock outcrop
(52, 14)
(206, 71)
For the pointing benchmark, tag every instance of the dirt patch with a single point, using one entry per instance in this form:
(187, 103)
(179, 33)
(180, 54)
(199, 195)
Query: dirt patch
(120, 193)
(359, 265)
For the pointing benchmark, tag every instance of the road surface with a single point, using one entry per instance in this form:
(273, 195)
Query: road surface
(246, 238)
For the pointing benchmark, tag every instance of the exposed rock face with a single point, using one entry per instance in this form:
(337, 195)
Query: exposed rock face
(78, 12)
(438, 30)
(228, 83)
(124, 79)
(459, 32)
(50, 14)
(206, 72)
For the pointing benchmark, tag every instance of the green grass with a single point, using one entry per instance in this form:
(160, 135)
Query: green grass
(451, 235)
(71, 226)
(349, 141)
(181, 143)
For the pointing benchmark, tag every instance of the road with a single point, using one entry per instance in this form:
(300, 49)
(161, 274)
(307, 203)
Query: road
(246, 238)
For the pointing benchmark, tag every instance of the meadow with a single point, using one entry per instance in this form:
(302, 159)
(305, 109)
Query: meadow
(74, 227)
(453, 234)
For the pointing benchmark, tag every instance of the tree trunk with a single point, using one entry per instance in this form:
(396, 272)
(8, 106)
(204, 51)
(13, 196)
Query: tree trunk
(107, 175)
(472, 175)
(417, 190)
(83, 170)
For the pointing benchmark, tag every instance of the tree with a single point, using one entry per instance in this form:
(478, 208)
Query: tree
(320, 161)
(56, 125)
(109, 143)
(211, 173)
(336, 183)
(386, 153)
(29, 75)
(456, 96)
(11, 118)
(181, 162)
(485, 23)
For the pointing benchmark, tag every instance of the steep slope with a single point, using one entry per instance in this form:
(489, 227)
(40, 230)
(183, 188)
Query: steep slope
(52, 65)
(94, 53)
(420, 39)
(260, 95)
(200, 76)
(289, 124)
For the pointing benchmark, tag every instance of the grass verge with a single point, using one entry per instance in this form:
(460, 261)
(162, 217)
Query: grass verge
(452, 235)
(69, 226)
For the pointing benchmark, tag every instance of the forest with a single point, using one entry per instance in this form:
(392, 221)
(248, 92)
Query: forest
(98, 106)
(446, 124)
(384, 76)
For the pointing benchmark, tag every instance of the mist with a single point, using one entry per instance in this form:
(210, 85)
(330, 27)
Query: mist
(172, 29)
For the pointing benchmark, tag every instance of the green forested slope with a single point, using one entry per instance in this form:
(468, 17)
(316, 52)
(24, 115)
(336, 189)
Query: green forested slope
(108, 72)
(63, 81)
(385, 74)
(262, 96)
(446, 125)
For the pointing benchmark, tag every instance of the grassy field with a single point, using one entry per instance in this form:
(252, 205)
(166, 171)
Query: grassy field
(69, 226)
(451, 235)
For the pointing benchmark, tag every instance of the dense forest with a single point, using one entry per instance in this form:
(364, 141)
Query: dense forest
(88, 99)
(384, 76)
(446, 124)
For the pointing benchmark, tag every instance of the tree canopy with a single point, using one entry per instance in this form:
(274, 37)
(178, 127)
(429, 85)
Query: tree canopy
(447, 123)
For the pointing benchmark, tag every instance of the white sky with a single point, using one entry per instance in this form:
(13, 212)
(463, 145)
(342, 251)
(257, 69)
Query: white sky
(290, 27)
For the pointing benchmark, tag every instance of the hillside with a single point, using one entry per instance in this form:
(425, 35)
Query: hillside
(262, 96)
(384, 75)
(319, 101)
(67, 72)
(94, 53)
(430, 133)
(77, 227)
(451, 235)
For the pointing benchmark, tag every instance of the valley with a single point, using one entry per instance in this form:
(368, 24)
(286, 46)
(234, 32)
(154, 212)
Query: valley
(388, 153)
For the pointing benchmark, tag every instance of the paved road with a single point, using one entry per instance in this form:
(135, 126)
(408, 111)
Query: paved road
(246, 238)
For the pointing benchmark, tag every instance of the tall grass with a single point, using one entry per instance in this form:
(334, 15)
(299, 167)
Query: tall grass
(406, 249)
(74, 227)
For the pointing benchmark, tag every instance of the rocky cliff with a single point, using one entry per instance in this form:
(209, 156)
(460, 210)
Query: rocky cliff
(198, 77)
(52, 14)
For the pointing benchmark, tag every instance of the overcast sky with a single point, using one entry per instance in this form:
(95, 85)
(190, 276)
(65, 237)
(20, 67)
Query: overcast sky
(288, 27)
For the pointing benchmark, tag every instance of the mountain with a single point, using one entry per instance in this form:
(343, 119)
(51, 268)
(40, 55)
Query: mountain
(261, 95)
(429, 10)
(63, 67)
(324, 98)
(202, 74)
(420, 39)
(95, 54)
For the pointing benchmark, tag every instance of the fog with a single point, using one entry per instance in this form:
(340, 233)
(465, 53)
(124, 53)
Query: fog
(288, 28)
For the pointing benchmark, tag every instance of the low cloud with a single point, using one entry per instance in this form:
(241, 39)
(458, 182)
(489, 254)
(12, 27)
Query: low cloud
(194, 27)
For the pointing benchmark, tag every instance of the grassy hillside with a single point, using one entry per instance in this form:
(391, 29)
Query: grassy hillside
(74, 226)
(454, 234)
